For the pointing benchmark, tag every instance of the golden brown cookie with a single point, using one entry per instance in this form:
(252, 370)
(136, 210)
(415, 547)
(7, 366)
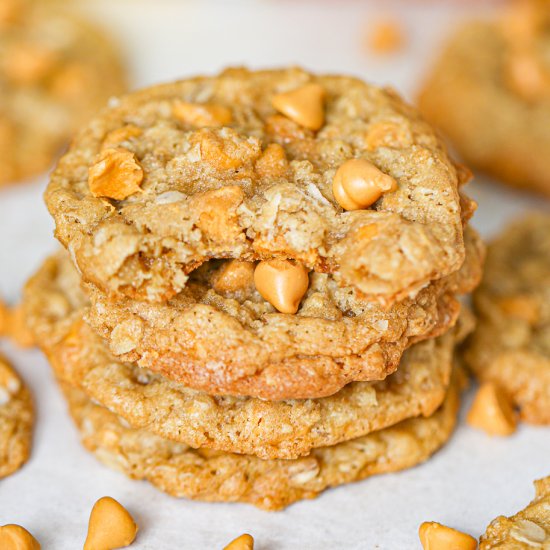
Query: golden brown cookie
(529, 529)
(269, 484)
(241, 165)
(55, 71)
(16, 420)
(511, 344)
(489, 93)
(283, 429)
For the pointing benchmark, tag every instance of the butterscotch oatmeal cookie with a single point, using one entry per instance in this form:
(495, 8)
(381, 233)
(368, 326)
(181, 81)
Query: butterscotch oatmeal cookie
(283, 429)
(511, 345)
(489, 93)
(16, 420)
(55, 71)
(241, 166)
(269, 484)
(227, 339)
(527, 530)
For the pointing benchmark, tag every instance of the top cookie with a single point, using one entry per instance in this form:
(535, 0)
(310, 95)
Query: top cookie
(55, 71)
(242, 165)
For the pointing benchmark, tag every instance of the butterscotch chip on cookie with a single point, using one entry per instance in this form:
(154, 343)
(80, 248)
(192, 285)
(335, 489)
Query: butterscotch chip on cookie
(55, 71)
(489, 93)
(269, 484)
(16, 420)
(526, 530)
(241, 166)
(282, 429)
(511, 344)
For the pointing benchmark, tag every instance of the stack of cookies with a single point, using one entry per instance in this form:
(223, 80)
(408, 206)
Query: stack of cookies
(259, 298)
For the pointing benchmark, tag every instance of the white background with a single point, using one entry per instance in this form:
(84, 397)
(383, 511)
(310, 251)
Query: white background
(473, 479)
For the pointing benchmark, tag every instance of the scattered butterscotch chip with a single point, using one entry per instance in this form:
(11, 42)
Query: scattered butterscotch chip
(305, 105)
(492, 412)
(114, 138)
(110, 526)
(201, 115)
(273, 162)
(27, 63)
(525, 307)
(233, 276)
(525, 74)
(358, 184)
(282, 283)
(386, 36)
(244, 542)
(116, 174)
(435, 536)
(15, 537)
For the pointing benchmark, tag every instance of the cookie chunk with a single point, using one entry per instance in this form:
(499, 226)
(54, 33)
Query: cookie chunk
(229, 340)
(489, 94)
(16, 420)
(242, 166)
(528, 529)
(281, 429)
(269, 484)
(511, 344)
(55, 71)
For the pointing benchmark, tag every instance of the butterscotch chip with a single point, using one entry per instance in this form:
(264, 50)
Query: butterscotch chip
(199, 114)
(234, 276)
(123, 134)
(16, 421)
(435, 536)
(15, 537)
(273, 162)
(510, 345)
(529, 529)
(244, 542)
(492, 412)
(116, 174)
(304, 105)
(110, 526)
(386, 36)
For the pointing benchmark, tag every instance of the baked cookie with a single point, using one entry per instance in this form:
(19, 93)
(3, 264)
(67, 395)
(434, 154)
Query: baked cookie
(242, 166)
(282, 429)
(55, 71)
(527, 530)
(511, 344)
(490, 94)
(269, 484)
(16, 420)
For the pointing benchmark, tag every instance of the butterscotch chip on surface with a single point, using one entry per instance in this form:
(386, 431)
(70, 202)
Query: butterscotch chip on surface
(492, 412)
(303, 105)
(16, 420)
(435, 536)
(15, 537)
(386, 36)
(116, 174)
(244, 542)
(111, 526)
(199, 115)
(529, 529)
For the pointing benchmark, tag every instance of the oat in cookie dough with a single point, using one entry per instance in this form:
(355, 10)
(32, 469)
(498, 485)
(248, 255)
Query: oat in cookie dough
(490, 94)
(55, 71)
(283, 429)
(529, 529)
(16, 420)
(241, 166)
(208, 475)
(511, 343)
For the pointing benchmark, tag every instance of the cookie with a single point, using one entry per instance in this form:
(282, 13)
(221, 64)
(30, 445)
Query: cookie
(55, 71)
(282, 429)
(526, 530)
(221, 167)
(511, 344)
(488, 93)
(16, 420)
(269, 484)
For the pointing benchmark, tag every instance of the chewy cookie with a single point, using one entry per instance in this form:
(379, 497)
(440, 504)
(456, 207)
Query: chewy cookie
(16, 420)
(511, 344)
(269, 484)
(527, 530)
(336, 175)
(282, 429)
(55, 71)
(489, 93)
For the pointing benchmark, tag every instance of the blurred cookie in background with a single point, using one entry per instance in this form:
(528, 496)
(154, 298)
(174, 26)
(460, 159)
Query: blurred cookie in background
(490, 94)
(55, 71)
